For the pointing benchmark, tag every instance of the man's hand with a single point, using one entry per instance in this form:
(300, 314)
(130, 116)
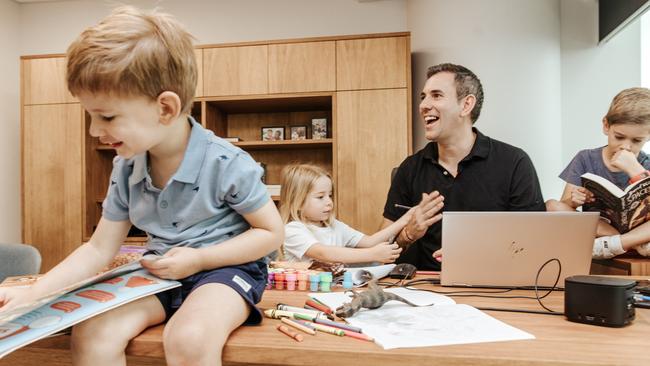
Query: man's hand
(385, 252)
(177, 263)
(626, 161)
(580, 196)
(425, 214)
(437, 255)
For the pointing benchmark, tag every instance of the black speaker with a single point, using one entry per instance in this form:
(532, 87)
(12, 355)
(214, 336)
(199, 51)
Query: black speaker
(599, 300)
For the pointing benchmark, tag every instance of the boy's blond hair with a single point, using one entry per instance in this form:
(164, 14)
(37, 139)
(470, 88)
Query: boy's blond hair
(132, 52)
(630, 106)
(297, 181)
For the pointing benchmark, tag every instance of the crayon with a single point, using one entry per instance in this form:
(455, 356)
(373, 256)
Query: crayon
(277, 314)
(299, 326)
(319, 306)
(337, 325)
(290, 333)
(295, 309)
(356, 335)
(328, 329)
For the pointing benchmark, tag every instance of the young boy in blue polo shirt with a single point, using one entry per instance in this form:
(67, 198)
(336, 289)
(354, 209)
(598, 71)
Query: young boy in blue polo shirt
(200, 199)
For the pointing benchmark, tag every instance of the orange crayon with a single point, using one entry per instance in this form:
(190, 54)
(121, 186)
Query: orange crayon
(289, 332)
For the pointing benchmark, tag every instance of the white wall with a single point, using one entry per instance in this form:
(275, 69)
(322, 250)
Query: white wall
(10, 124)
(50, 27)
(513, 46)
(592, 74)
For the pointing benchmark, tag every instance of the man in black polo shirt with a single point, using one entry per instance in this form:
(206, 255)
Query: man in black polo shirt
(459, 170)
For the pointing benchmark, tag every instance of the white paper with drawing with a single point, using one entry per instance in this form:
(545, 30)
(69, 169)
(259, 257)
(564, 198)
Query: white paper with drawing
(397, 325)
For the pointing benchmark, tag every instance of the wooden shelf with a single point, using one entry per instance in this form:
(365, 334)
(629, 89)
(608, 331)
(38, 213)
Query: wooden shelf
(285, 144)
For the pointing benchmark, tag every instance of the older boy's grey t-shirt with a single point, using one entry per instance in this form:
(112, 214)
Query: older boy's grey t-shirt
(203, 202)
(591, 161)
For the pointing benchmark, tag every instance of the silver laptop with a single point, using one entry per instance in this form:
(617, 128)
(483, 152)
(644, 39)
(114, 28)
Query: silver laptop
(506, 249)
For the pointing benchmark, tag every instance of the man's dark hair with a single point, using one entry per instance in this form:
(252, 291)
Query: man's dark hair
(466, 83)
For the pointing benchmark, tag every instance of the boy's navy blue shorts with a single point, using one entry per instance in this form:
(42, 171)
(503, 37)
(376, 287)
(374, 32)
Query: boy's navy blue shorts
(248, 279)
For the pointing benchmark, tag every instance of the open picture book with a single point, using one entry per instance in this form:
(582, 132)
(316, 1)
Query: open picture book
(73, 304)
(623, 209)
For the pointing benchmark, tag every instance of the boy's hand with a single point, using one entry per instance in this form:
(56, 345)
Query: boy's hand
(626, 161)
(11, 297)
(580, 196)
(176, 264)
(386, 252)
(425, 214)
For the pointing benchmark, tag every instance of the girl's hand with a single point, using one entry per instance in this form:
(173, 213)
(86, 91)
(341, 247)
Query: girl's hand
(177, 263)
(580, 196)
(385, 252)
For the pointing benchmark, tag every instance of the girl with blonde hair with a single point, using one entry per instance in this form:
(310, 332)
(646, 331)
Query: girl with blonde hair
(313, 233)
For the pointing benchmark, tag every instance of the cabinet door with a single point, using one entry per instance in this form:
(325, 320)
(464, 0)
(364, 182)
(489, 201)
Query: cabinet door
(371, 139)
(235, 70)
(44, 81)
(52, 184)
(198, 53)
(302, 67)
(372, 63)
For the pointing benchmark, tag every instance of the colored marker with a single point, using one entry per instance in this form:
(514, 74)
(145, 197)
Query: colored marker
(290, 333)
(337, 325)
(397, 205)
(298, 326)
(277, 314)
(295, 309)
(317, 305)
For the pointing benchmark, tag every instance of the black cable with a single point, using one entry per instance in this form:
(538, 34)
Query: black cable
(488, 294)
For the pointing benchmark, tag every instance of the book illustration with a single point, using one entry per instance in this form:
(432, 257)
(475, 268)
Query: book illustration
(10, 329)
(96, 295)
(66, 306)
(51, 314)
(623, 209)
(113, 281)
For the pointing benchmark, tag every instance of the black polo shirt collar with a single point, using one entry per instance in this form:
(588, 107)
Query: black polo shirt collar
(480, 149)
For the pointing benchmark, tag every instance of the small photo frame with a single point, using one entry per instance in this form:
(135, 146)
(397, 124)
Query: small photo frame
(319, 128)
(298, 132)
(274, 133)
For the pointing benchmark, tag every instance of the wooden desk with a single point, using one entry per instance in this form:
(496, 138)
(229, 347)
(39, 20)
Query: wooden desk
(559, 342)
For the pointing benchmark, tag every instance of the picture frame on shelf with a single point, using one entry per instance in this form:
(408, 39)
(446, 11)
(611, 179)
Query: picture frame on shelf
(273, 133)
(298, 132)
(319, 128)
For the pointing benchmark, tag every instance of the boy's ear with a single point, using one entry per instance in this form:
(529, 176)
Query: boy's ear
(605, 126)
(169, 107)
(468, 105)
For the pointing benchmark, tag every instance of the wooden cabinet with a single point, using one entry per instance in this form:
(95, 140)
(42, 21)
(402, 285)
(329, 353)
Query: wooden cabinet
(239, 70)
(373, 63)
(44, 81)
(241, 89)
(378, 118)
(52, 179)
(302, 67)
(199, 81)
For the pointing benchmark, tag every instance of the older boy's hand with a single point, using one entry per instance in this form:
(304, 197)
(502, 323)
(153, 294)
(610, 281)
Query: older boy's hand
(425, 214)
(177, 263)
(580, 196)
(626, 161)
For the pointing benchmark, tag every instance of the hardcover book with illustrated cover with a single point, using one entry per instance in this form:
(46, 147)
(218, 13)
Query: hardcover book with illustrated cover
(76, 303)
(623, 209)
